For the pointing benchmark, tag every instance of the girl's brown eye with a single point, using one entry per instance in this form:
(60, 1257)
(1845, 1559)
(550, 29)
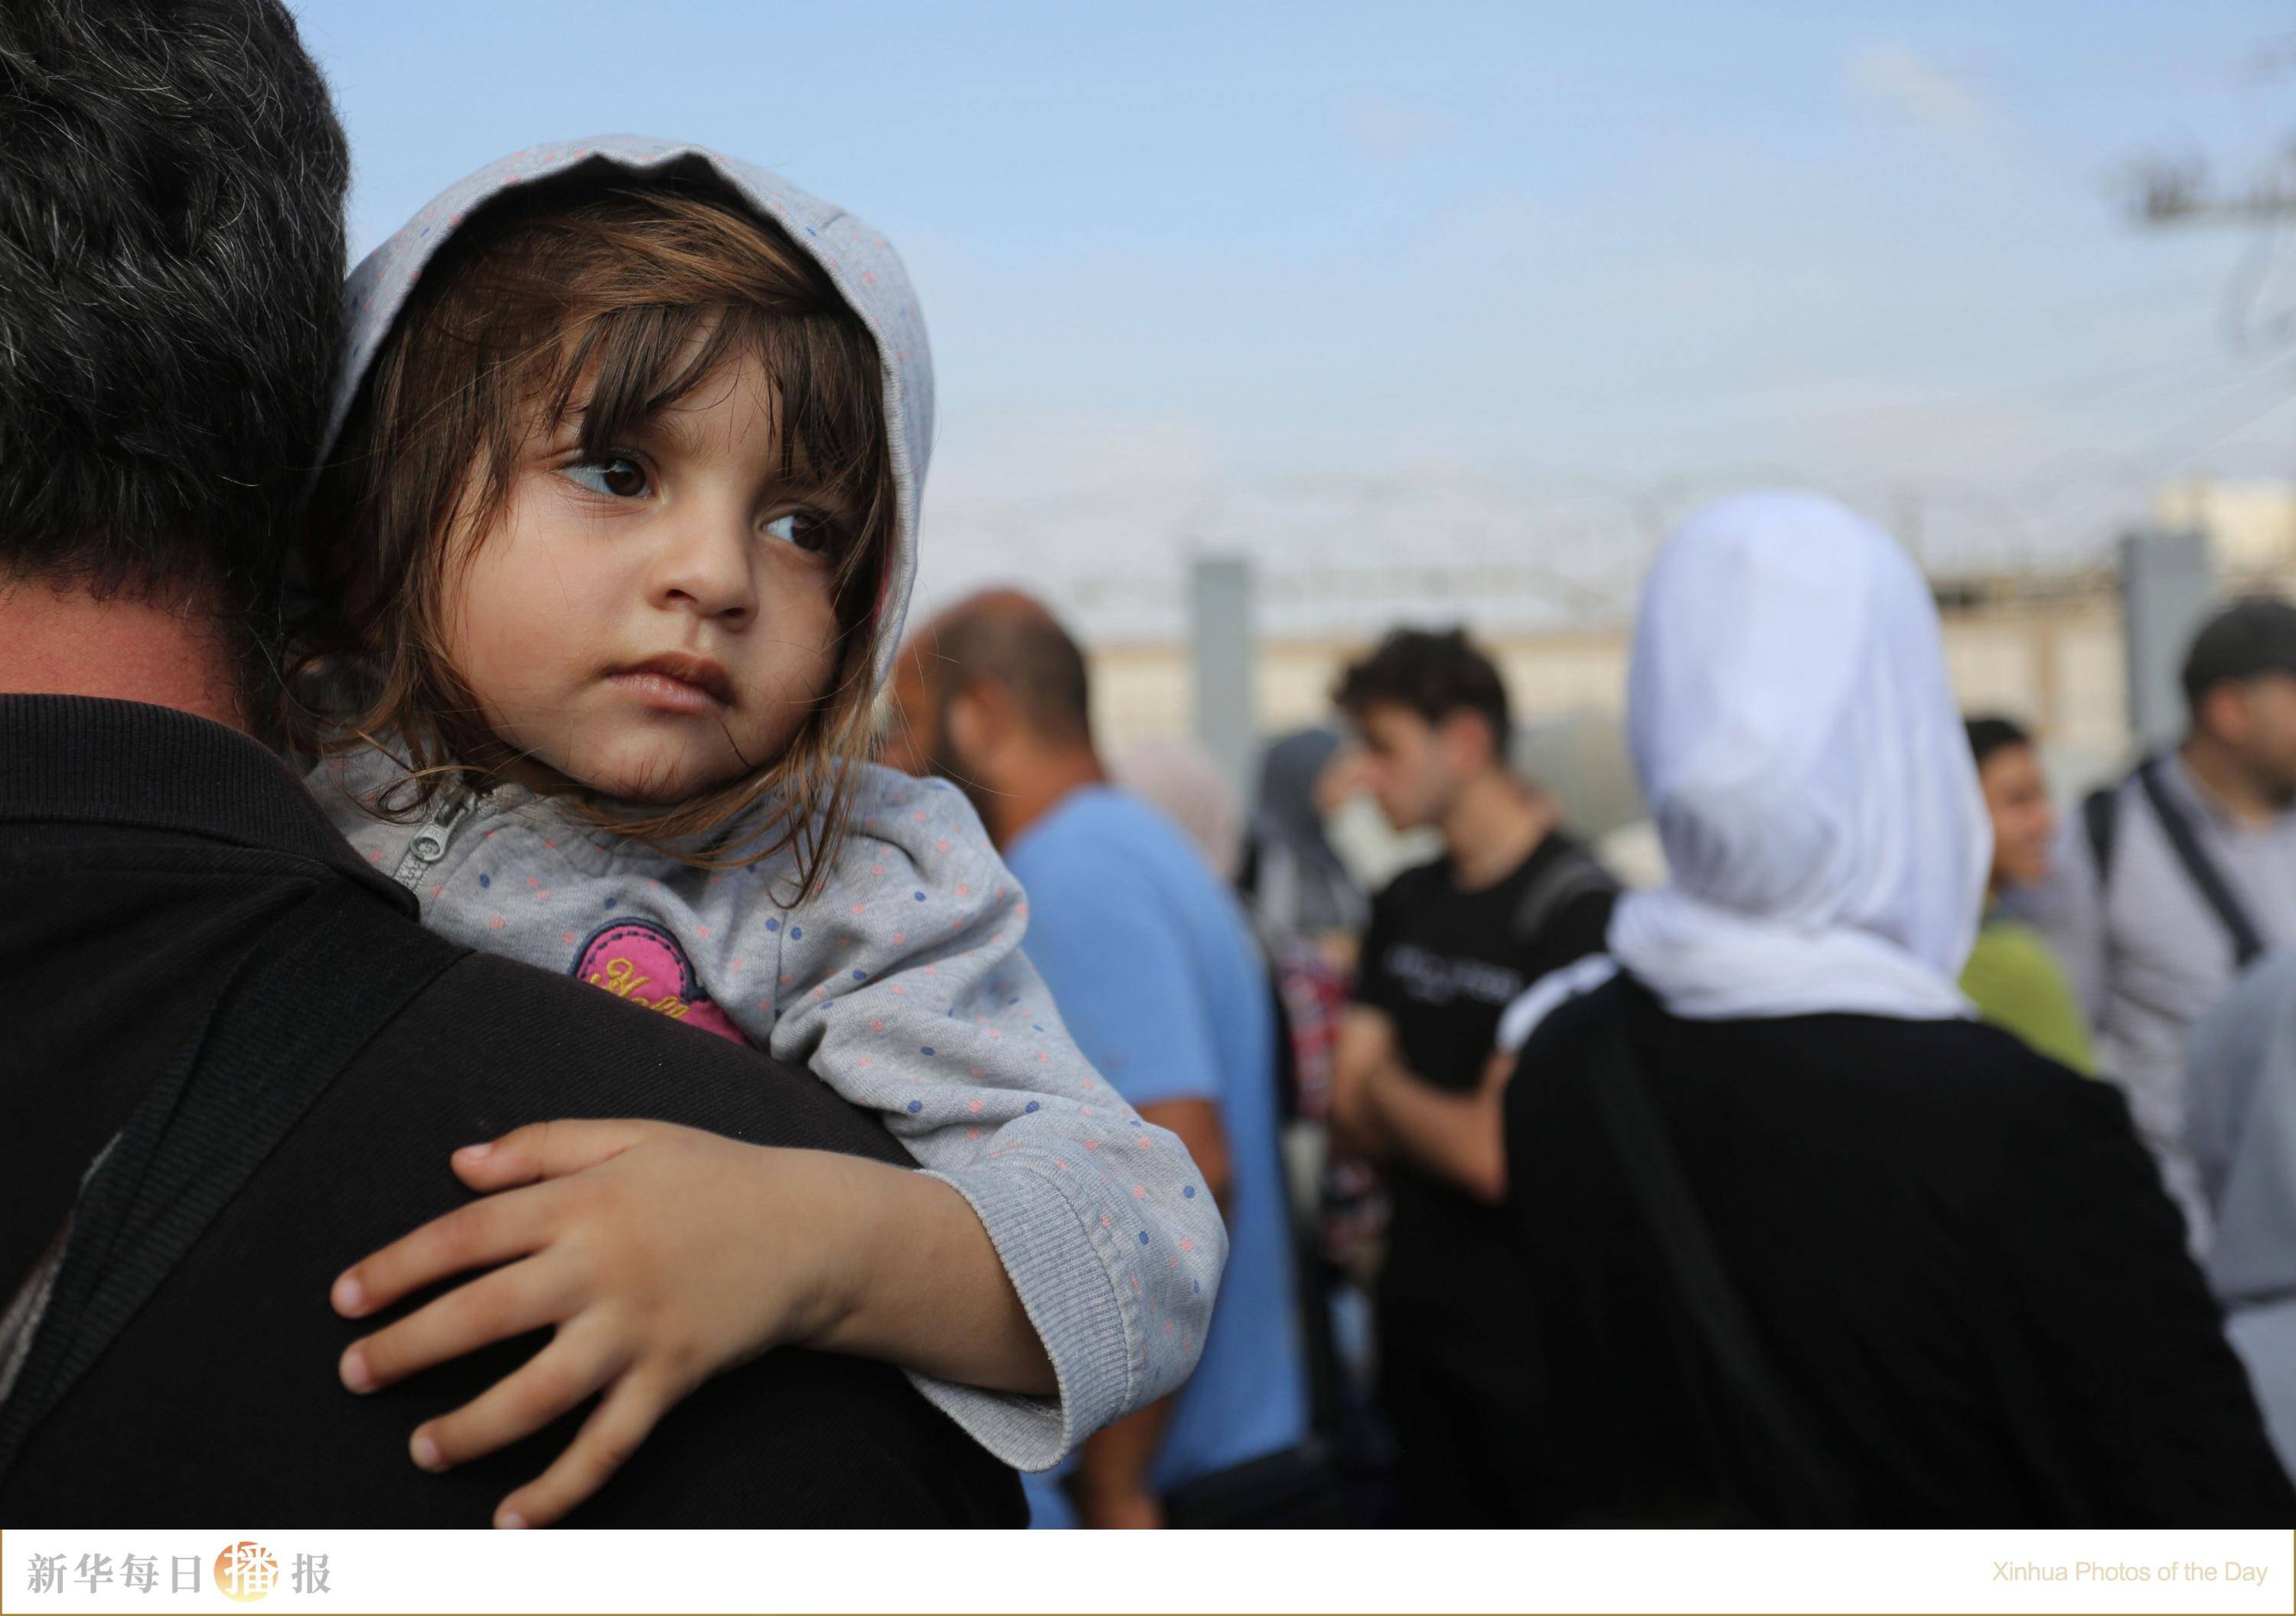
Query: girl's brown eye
(618, 476)
(809, 530)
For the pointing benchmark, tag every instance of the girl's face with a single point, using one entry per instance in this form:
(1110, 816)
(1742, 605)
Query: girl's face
(658, 621)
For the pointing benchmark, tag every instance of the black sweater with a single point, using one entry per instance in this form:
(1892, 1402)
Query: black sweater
(1953, 1251)
(143, 854)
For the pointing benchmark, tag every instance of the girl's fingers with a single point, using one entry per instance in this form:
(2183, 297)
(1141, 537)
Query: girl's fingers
(509, 1302)
(477, 1235)
(557, 1378)
(547, 1150)
(613, 1431)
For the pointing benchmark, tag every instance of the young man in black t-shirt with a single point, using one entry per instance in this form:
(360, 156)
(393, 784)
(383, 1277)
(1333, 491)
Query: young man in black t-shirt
(1450, 945)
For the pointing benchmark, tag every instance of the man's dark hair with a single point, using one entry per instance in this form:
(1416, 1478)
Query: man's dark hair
(2248, 638)
(1992, 733)
(171, 262)
(1008, 636)
(1434, 676)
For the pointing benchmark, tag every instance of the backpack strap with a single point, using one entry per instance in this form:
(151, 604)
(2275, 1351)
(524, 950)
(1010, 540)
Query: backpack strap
(290, 1017)
(1777, 1457)
(2206, 877)
(2101, 818)
(1572, 874)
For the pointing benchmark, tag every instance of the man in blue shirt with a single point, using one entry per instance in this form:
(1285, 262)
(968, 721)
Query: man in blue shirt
(1161, 983)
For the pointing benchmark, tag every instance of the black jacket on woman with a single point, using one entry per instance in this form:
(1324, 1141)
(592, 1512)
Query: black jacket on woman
(1952, 1253)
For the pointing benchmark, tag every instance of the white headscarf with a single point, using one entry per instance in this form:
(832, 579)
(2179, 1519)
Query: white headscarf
(1799, 747)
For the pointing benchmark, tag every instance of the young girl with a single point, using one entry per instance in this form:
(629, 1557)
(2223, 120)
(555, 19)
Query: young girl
(612, 548)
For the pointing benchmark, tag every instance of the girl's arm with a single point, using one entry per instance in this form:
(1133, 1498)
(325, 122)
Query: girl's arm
(664, 1255)
(925, 1288)
(905, 988)
(1076, 1287)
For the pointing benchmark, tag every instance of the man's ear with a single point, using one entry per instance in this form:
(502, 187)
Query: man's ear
(978, 719)
(1467, 744)
(2224, 713)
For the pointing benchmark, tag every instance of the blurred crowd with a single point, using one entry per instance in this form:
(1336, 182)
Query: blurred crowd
(1800, 1187)
(399, 674)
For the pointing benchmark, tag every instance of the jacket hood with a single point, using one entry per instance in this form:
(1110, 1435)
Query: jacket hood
(863, 267)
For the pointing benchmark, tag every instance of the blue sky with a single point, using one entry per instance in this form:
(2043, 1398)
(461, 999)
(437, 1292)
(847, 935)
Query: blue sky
(1178, 258)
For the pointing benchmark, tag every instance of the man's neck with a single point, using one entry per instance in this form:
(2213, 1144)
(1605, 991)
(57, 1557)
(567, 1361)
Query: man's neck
(59, 641)
(2221, 776)
(1037, 783)
(1493, 827)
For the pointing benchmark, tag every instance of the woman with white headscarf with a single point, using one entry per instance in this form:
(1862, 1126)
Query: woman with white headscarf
(1810, 1244)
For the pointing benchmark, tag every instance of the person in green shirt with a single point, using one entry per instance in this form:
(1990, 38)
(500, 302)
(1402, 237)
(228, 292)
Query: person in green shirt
(2013, 977)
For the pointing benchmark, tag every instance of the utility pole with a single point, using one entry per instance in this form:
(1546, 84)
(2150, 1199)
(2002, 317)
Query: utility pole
(1226, 716)
(1909, 523)
(2167, 579)
(2170, 193)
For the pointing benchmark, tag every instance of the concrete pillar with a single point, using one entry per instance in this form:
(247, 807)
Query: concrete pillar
(2166, 591)
(1225, 702)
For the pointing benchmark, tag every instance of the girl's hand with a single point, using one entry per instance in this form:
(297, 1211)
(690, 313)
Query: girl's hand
(662, 1254)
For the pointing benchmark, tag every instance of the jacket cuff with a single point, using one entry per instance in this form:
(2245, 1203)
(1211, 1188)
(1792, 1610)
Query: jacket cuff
(1067, 1285)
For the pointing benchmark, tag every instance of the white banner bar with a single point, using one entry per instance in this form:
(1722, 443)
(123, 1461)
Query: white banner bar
(1880, 1571)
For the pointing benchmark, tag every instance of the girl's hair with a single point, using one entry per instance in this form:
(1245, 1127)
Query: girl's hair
(577, 304)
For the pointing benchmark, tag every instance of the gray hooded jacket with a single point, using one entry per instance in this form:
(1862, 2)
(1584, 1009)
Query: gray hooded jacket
(902, 985)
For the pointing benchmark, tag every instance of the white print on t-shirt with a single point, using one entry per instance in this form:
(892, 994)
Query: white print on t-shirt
(1432, 979)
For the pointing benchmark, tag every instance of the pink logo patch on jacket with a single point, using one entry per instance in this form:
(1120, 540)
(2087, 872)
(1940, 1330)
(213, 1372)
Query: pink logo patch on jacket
(639, 960)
